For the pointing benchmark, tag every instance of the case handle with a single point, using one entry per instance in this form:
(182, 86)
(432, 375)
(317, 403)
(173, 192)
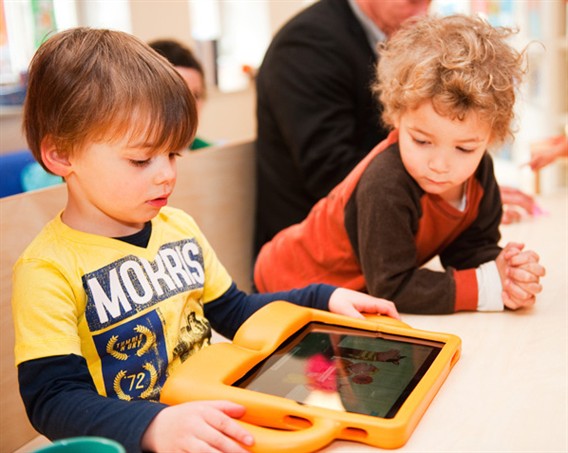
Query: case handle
(322, 432)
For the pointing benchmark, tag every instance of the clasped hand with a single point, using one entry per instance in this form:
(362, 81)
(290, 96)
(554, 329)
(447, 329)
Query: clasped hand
(520, 273)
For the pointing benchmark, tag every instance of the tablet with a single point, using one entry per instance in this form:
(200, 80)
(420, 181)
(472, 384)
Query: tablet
(308, 377)
(346, 369)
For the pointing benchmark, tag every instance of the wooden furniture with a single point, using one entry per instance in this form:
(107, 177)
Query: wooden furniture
(215, 185)
(21, 218)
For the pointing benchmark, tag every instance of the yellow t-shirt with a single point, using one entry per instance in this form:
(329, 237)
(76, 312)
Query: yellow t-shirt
(132, 312)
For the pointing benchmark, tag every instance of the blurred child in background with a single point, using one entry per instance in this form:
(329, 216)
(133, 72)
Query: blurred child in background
(191, 70)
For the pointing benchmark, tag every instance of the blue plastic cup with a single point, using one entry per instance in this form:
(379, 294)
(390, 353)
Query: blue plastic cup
(87, 444)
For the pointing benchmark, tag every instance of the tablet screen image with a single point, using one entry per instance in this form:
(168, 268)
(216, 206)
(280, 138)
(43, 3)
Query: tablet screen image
(345, 369)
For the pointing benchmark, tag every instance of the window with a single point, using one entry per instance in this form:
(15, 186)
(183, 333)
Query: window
(26, 23)
(226, 42)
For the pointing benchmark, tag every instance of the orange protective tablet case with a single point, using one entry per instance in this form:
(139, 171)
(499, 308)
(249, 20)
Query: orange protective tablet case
(282, 424)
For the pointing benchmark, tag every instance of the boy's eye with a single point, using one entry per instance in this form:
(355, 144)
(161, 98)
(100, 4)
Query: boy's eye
(465, 150)
(420, 142)
(140, 163)
(146, 162)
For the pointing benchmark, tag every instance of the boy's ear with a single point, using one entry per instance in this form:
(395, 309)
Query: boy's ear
(53, 159)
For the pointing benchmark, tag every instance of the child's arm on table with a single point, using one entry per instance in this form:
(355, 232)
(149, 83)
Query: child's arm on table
(234, 307)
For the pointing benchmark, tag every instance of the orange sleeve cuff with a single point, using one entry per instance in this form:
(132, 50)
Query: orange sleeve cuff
(466, 290)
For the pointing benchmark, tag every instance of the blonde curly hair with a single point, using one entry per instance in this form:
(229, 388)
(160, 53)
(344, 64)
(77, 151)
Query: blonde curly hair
(459, 63)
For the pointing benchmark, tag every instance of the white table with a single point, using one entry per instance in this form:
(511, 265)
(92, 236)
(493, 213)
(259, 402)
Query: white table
(508, 391)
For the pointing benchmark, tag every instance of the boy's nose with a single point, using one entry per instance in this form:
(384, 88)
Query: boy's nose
(166, 171)
(438, 163)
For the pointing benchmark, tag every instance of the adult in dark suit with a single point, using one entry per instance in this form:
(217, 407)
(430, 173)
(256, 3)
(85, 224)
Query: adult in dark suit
(316, 114)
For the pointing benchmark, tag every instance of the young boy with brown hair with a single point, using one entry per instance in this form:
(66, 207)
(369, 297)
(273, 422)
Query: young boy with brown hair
(447, 86)
(118, 289)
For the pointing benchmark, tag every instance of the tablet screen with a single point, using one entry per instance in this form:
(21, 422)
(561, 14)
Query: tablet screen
(345, 369)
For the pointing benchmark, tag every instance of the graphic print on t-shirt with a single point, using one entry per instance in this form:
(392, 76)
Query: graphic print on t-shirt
(132, 284)
(133, 352)
(134, 358)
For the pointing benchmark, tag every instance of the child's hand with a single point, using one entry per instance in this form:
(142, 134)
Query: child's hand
(199, 426)
(503, 259)
(523, 279)
(520, 274)
(514, 203)
(352, 303)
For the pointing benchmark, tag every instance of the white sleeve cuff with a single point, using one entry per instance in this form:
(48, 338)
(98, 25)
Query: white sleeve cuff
(489, 287)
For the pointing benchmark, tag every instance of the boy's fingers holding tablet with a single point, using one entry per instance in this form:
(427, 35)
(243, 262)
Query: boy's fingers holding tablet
(352, 303)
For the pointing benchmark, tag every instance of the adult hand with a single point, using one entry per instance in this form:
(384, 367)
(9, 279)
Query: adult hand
(547, 151)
